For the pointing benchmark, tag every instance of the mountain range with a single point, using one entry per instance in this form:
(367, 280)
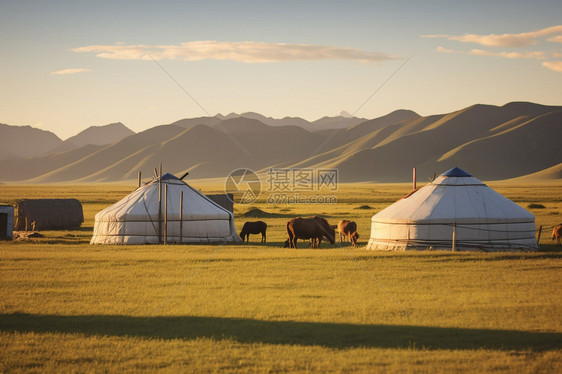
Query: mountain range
(491, 142)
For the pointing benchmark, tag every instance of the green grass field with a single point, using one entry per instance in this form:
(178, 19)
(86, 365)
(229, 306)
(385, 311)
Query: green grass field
(67, 306)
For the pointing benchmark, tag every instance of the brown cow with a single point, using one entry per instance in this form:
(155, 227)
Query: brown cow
(557, 233)
(258, 227)
(348, 229)
(314, 228)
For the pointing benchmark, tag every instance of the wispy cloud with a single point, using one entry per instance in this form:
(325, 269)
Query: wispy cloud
(509, 40)
(538, 55)
(505, 40)
(553, 65)
(247, 52)
(69, 71)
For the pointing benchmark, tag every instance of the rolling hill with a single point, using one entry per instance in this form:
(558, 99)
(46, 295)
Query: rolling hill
(492, 142)
(100, 135)
(324, 123)
(25, 141)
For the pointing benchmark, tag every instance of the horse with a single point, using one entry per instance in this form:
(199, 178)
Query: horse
(314, 228)
(557, 234)
(348, 229)
(258, 227)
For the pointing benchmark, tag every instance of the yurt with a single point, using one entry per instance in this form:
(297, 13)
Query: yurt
(140, 218)
(456, 212)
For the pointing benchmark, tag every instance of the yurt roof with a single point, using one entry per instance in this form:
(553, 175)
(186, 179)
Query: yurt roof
(455, 196)
(142, 203)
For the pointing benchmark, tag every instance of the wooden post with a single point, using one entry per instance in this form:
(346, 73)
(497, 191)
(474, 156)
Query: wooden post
(414, 179)
(181, 216)
(160, 205)
(539, 236)
(165, 214)
(454, 236)
(139, 178)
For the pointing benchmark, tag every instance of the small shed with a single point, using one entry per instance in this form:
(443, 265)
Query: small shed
(48, 214)
(6, 222)
(224, 200)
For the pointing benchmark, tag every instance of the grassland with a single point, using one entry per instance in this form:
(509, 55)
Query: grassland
(67, 306)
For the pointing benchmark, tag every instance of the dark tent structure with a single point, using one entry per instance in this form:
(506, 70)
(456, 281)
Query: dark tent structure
(48, 214)
(6, 221)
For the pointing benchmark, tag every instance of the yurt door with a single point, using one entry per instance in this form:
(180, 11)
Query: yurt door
(3, 226)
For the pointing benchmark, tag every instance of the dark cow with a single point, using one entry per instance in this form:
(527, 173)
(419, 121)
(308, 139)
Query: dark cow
(348, 229)
(258, 227)
(557, 233)
(314, 228)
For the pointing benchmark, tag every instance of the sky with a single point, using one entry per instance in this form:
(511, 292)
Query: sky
(68, 65)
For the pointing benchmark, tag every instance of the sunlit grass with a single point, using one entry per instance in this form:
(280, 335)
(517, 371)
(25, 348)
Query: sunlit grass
(68, 306)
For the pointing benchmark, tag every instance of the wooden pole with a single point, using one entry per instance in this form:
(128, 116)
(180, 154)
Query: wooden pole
(165, 214)
(414, 179)
(160, 205)
(139, 178)
(454, 236)
(539, 236)
(181, 216)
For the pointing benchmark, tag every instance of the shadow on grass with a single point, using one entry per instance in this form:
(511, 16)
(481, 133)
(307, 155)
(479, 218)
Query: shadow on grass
(332, 335)
(489, 256)
(301, 244)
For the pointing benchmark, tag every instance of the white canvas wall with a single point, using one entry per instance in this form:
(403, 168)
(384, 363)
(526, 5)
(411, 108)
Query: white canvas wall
(134, 219)
(483, 219)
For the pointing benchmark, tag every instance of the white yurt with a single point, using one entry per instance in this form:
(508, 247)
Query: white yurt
(455, 206)
(135, 219)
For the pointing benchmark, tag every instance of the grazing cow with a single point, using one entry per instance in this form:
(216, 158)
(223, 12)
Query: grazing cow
(348, 229)
(314, 228)
(258, 227)
(557, 233)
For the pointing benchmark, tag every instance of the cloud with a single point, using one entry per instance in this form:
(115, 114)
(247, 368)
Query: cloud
(247, 52)
(555, 39)
(69, 71)
(553, 65)
(538, 55)
(445, 50)
(505, 40)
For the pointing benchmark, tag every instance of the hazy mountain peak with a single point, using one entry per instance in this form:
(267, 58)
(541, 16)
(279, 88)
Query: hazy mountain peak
(100, 135)
(25, 141)
(527, 108)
